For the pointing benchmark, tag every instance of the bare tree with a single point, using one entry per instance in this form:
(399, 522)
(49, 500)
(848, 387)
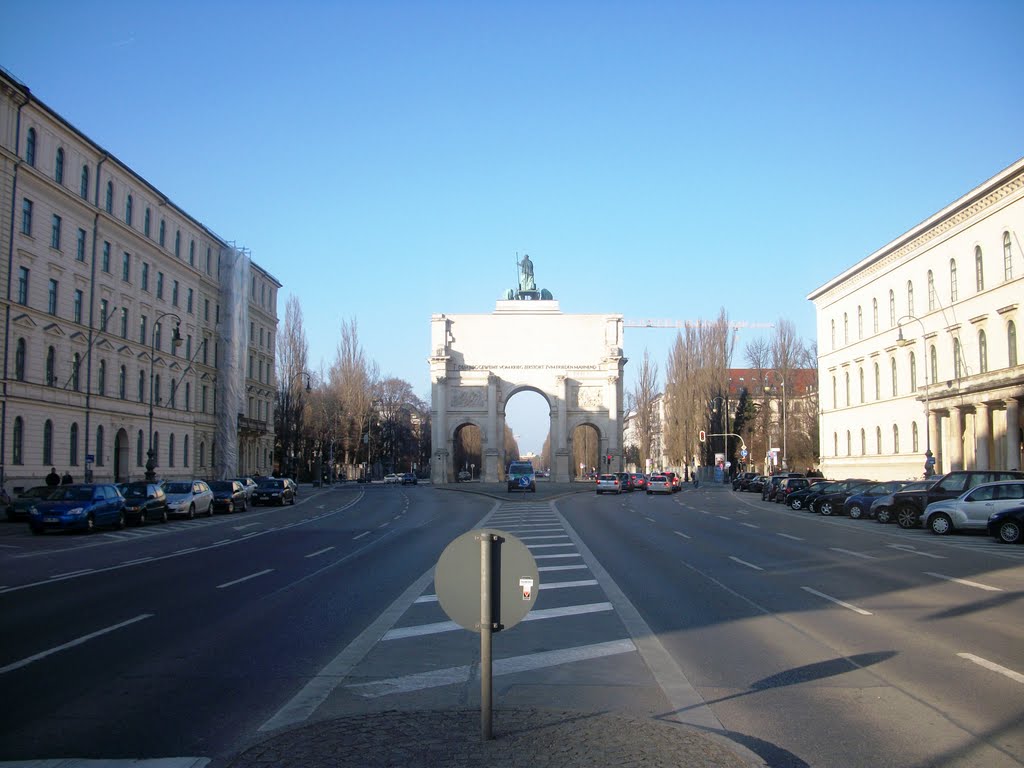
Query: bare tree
(642, 401)
(353, 378)
(291, 354)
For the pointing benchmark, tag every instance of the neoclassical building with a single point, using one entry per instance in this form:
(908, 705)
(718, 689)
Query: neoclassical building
(919, 346)
(127, 325)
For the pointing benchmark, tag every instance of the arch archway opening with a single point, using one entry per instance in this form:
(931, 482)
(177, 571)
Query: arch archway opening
(586, 451)
(528, 430)
(467, 452)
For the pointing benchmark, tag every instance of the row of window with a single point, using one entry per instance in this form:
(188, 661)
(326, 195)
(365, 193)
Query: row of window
(49, 458)
(932, 298)
(960, 367)
(914, 441)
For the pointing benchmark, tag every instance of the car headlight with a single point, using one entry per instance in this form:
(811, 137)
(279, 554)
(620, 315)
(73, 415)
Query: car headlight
(76, 512)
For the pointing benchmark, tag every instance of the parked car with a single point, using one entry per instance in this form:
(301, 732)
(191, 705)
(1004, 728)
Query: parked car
(882, 508)
(520, 477)
(20, 506)
(742, 480)
(756, 484)
(677, 482)
(858, 504)
(608, 483)
(789, 486)
(801, 498)
(639, 481)
(972, 509)
(188, 498)
(625, 481)
(83, 506)
(909, 505)
(248, 485)
(409, 479)
(229, 495)
(659, 484)
(392, 479)
(464, 475)
(144, 502)
(275, 490)
(1007, 525)
(769, 489)
(831, 502)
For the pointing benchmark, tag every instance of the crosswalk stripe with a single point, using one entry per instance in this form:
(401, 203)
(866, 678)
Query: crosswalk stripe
(401, 633)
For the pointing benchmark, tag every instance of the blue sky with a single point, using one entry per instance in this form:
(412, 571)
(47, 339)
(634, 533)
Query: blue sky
(386, 161)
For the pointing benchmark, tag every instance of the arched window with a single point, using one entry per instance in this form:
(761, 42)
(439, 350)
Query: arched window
(145, 223)
(156, 448)
(188, 395)
(1011, 343)
(953, 289)
(18, 441)
(958, 361)
(101, 379)
(177, 244)
(110, 197)
(202, 453)
(860, 373)
(846, 328)
(47, 442)
(51, 367)
(895, 439)
(931, 291)
(30, 147)
(835, 443)
(878, 440)
(860, 322)
(835, 397)
(1007, 257)
(83, 185)
(76, 378)
(892, 365)
(913, 373)
(913, 437)
(863, 442)
(163, 232)
(19, 360)
(934, 364)
(878, 382)
(910, 297)
(979, 269)
(73, 445)
(892, 309)
(874, 315)
(122, 383)
(58, 166)
(99, 446)
(846, 380)
(849, 445)
(156, 391)
(184, 452)
(140, 448)
(128, 205)
(170, 450)
(142, 386)
(833, 334)
(982, 352)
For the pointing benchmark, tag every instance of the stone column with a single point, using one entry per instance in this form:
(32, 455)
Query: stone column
(982, 436)
(489, 444)
(614, 427)
(560, 439)
(1012, 433)
(439, 468)
(935, 438)
(956, 438)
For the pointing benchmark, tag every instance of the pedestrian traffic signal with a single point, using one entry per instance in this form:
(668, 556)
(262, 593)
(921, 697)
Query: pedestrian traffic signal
(703, 435)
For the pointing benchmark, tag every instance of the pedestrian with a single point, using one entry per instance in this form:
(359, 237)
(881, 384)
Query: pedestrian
(67, 479)
(53, 478)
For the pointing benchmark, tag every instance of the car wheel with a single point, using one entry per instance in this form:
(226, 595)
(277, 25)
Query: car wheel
(796, 503)
(906, 518)
(191, 511)
(209, 511)
(825, 508)
(856, 512)
(940, 524)
(120, 520)
(1009, 532)
(245, 505)
(163, 515)
(90, 524)
(293, 501)
(883, 515)
(142, 518)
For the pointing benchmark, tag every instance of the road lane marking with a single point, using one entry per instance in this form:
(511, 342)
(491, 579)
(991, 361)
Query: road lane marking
(364, 533)
(851, 552)
(750, 525)
(222, 541)
(245, 578)
(319, 551)
(965, 582)
(552, 557)
(837, 601)
(136, 560)
(910, 550)
(383, 525)
(547, 546)
(70, 574)
(744, 562)
(538, 538)
(789, 536)
(680, 533)
(561, 568)
(400, 633)
(247, 525)
(724, 517)
(72, 643)
(552, 585)
(512, 665)
(186, 550)
(990, 665)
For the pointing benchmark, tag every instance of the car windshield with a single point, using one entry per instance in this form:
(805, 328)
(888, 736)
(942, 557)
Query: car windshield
(72, 493)
(135, 492)
(178, 488)
(222, 485)
(272, 484)
(39, 492)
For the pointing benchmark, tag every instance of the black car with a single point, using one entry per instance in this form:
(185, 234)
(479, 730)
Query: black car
(626, 481)
(789, 486)
(908, 505)
(144, 502)
(756, 484)
(831, 502)
(229, 496)
(771, 486)
(274, 490)
(742, 480)
(1006, 525)
(858, 504)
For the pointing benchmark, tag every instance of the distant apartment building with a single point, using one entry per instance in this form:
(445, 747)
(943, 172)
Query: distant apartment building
(126, 324)
(919, 348)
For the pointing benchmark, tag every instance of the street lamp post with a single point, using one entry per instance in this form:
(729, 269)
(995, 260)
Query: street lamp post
(902, 342)
(175, 343)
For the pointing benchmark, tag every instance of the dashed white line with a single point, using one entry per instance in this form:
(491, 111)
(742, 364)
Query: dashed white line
(911, 551)
(70, 574)
(136, 560)
(852, 553)
(72, 644)
(680, 533)
(247, 525)
(789, 536)
(965, 582)
(186, 550)
(320, 552)
(384, 525)
(744, 562)
(245, 578)
(649, 519)
(990, 665)
(724, 517)
(750, 525)
(364, 533)
(853, 608)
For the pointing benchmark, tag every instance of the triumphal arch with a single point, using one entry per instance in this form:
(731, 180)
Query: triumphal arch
(478, 362)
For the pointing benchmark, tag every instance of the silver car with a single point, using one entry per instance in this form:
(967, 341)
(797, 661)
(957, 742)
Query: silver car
(972, 509)
(188, 498)
(608, 484)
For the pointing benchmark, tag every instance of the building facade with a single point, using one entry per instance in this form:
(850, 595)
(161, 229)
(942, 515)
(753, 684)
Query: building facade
(127, 325)
(918, 344)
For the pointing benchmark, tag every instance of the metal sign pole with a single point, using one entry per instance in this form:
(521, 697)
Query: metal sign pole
(485, 636)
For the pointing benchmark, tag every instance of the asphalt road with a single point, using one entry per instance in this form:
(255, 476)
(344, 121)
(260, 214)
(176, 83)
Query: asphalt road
(811, 641)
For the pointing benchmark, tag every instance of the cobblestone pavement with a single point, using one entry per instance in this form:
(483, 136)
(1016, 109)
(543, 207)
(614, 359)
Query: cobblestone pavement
(523, 738)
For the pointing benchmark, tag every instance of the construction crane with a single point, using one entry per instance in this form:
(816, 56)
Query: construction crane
(648, 323)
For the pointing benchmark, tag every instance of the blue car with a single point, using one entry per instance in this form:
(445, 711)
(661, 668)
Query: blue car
(78, 507)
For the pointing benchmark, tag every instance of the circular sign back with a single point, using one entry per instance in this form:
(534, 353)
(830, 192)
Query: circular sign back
(514, 579)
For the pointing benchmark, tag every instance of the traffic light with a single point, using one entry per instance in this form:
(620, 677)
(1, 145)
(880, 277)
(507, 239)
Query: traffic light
(608, 460)
(703, 435)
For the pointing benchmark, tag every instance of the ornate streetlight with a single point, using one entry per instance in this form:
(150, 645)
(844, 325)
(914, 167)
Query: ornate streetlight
(175, 343)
